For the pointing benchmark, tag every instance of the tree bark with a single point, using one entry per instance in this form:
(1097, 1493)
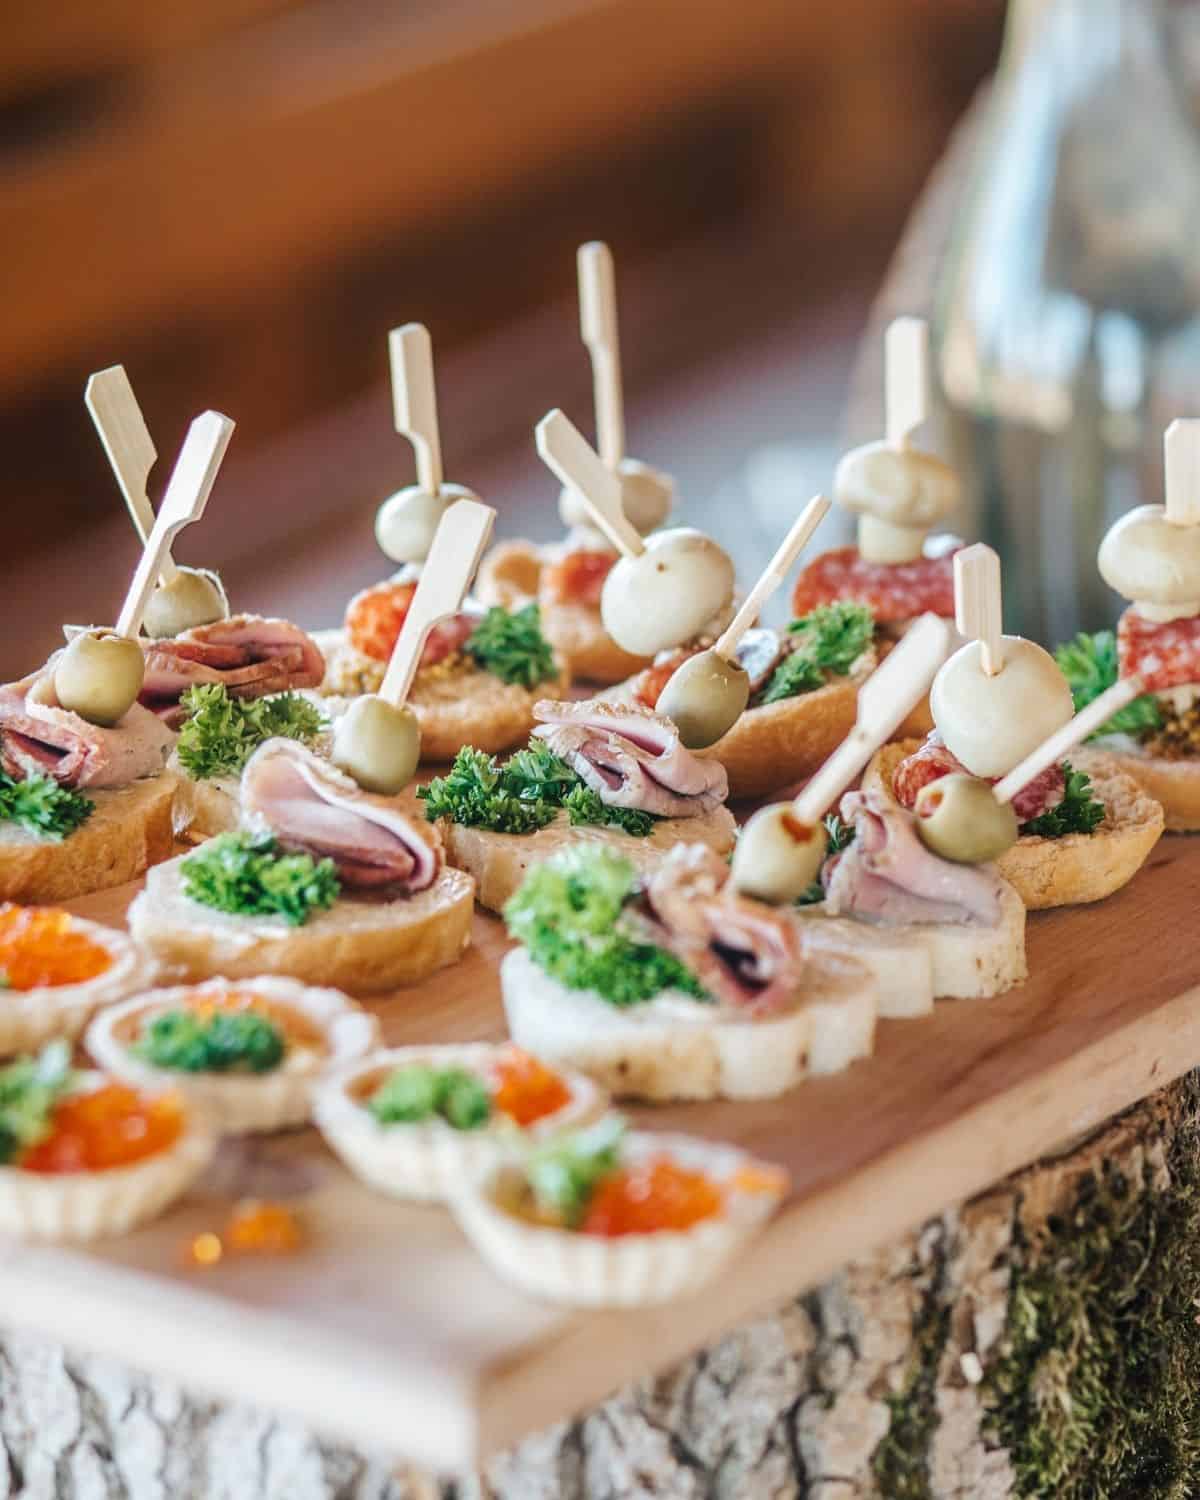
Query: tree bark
(1038, 1340)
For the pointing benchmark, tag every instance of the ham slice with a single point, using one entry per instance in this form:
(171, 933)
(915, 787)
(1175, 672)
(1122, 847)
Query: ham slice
(312, 808)
(888, 876)
(632, 758)
(249, 655)
(744, 953)
(933, 761)
(39, 737)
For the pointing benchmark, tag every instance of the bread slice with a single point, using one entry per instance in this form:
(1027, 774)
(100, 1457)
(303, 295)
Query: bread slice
(362, 946)
(205, 808)
(510, 574)
(937, 960)
(674, 1047)
(456, 702)
(129, 830)
(498, 861)
(1079, 867)
(1175, 784)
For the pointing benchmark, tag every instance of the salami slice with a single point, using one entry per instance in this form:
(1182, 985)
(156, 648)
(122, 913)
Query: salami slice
(933, 761)
(891, 591)
(1163, 656)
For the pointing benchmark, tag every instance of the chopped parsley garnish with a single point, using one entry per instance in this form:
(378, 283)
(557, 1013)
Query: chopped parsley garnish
(1078, 812)
(1089, 663)
(838, 836)
(512, 646)
(522, 795)
(250, 875)
(221, 733)
(567, 913)
(565, 1174)
(188, 1042)
(30, 1087)
(42, 806)
(416, 1093)
(827, 642)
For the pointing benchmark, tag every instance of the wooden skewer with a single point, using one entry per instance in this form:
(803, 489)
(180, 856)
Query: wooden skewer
(458, 544)
(414, 400)
(187, 494)
(977, 606)
(1085, 722)
(776, 571)
(884, 701)
(109, 398)
(905, 379)
(569, 456)
(598, 324)
(1181, 465)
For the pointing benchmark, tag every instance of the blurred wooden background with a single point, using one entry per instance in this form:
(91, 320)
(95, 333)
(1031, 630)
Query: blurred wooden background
(237, 198)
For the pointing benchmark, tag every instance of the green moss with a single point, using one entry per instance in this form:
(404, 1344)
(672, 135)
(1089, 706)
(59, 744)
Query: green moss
(1096, 1393)
(901, 1461)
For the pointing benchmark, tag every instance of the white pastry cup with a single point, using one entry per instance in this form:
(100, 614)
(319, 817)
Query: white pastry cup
(585, 1270)
(31, 1018)
(238, 1103)
(428, 1160)
(94, 1205)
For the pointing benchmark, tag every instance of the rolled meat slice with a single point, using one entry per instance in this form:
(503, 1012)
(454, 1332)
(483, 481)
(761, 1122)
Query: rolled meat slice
(39, 737)
(887, 875)
(311, 807)
(249, 655)
(631, 758)
(891, 591)
(1163, 656)
(934, 760)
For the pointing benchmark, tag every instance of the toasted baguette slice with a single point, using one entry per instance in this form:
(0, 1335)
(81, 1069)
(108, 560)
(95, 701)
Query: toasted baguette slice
(129, 830)
(456, 702)
(1175, 784)
(674, 1047)
(498, 861)
(1079, 867)
(961, 961)
(366, 947)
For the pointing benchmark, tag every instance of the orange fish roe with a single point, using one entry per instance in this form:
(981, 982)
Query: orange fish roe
(374, 618)
(40, 945)
(760, 1179)
(577, 578)
(260, 1228)
(651, 1196)
(525, 1089)
(112, 1126)
(650, 683)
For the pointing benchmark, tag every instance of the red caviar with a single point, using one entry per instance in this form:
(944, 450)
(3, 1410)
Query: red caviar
(40, 945)
(262, 1228)
(374, 618)
(525, 1089)
(577, 578)
(651, 1196)
(112, 1126)
(651, 682)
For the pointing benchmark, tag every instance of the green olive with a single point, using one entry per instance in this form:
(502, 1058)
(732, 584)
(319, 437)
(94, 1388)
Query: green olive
(378, 744)
(193, 597)
(705, 697)
(99, 676)
(959, 818)
(777, 857)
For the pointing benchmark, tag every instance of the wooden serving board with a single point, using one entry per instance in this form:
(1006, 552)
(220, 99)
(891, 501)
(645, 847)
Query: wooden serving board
(388, 1332)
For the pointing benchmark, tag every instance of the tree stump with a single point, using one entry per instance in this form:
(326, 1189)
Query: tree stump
(1039, 1340)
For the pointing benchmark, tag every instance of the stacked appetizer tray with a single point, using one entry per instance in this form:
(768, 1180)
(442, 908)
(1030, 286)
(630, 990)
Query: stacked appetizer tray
(412, 1026)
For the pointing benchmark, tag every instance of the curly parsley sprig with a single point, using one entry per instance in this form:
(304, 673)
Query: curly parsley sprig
(1078, 812)
(43, 807)
(512, 646)
(1089, 663)
(30, 1087)
(826, 643)
(250, 875)
(224, 1042)
(221, 733)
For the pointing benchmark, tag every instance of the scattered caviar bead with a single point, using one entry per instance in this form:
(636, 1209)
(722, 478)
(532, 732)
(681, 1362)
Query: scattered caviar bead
(577, 578)
(760, 1179)
(649, 1197)
(40, 945)
(112, 1126)
(257, 1227)
(206, 1249)
(525, 1089)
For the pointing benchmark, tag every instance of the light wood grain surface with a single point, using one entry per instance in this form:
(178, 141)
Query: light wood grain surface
(388, 1331)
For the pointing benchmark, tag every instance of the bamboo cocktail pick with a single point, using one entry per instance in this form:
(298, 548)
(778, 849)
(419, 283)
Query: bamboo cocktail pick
(905, 379)
(378, 739)
(1181, 463)
(406, 523)
(567, 453)
(598, 324)
(118, 418)
(708, 693)
(977, 603)
(1052, 750)
(782, 847)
